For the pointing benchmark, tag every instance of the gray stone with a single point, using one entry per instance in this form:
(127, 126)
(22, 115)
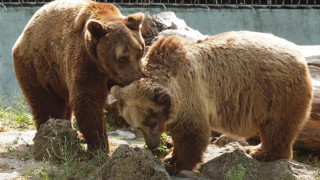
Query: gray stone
(224, 140)
(133, 164)
(166, 24)
(230, 162)
(188, 174)
(54, 139)
(124, 134)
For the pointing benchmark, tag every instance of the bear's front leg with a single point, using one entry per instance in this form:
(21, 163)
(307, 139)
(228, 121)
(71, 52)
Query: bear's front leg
(90, 120)
(88, 99)
(188, 149)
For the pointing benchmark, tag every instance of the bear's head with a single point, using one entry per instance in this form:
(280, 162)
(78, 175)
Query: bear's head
(145, 106)
(116, 45)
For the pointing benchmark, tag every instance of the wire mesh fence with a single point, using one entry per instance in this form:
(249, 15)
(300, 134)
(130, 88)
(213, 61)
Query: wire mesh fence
(192, 3)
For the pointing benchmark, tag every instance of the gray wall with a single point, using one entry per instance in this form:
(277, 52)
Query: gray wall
(301, 26)
(12, 23)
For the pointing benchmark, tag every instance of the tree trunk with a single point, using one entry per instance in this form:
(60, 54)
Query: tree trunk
(309, 137)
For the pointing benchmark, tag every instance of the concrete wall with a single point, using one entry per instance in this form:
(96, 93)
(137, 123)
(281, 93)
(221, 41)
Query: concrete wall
(301, 26)
(12, 23)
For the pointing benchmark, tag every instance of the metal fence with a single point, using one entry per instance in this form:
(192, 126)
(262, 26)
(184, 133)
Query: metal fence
(190, 3)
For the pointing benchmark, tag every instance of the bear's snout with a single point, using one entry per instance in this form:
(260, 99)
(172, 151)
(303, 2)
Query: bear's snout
(152, 143)
(152, 138)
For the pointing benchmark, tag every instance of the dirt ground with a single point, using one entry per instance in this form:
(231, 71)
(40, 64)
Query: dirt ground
(17, 159)
(16, 150)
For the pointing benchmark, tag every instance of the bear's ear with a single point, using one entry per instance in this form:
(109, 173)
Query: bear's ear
(115, 92)
(163, 98)
(111, 101)
(134, 21)
(96, 28)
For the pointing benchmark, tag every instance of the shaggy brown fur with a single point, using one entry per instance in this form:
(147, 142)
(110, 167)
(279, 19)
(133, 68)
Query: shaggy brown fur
(236, 83)
(67, 53)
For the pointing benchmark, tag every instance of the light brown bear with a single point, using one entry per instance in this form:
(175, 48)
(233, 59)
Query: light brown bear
(67, 54)
(235, 83)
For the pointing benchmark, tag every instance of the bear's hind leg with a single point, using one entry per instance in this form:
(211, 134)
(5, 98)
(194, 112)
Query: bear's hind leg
(43, 104)
(276, 140)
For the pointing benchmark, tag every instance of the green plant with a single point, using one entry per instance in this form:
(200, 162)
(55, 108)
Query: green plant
(236, 173)
(16, 140)
(26, 156)
(17, 114)
(82, 167)
(306, 156)
(316, 175)
(73, 164)
(10, 148)
(110, 126)
(119, 138)
(162, 150)
(70, 165)
(66, 155)
(42, 173)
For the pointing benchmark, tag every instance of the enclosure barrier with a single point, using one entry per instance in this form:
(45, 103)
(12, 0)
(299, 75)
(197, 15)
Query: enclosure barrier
(208, 4)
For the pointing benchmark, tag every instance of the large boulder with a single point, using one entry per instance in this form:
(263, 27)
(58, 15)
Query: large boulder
(230, 161)
(167, 24)
(55, 139)
(133, 163)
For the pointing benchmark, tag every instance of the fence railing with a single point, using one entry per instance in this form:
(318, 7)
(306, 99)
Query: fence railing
(192, 3)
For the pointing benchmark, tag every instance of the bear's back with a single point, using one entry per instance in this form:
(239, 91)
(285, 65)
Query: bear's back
(250, 56)
(250, 75)
(52, 19)
(248, 42)
(59, 23)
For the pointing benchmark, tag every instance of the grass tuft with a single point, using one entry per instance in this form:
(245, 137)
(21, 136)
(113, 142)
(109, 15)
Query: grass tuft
(162, 150)
(236, 173)
(15, 116)
(71, 165)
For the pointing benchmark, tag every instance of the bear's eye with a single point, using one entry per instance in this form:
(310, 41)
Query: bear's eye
(150, 111)
(151, 119)
(107, 30)
(151, 122)
(123, 59)
(120, 103)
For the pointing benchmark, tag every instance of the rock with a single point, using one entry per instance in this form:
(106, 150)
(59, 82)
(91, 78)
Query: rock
(188, 174)
(178, 178)
(123, 134)
(166, 24)
(224, 140)
(286, 170)
(169, 20)
(133, 163)
(149, 29)
(188, 34)
(43, 168)
(230, 162)
(218, 167)
(55, 139)
(184, 178)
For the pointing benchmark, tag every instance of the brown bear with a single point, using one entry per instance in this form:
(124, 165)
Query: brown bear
(236, 83)
(67, 54)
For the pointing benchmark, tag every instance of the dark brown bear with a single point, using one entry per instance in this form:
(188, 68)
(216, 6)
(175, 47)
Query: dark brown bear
(65, 57)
